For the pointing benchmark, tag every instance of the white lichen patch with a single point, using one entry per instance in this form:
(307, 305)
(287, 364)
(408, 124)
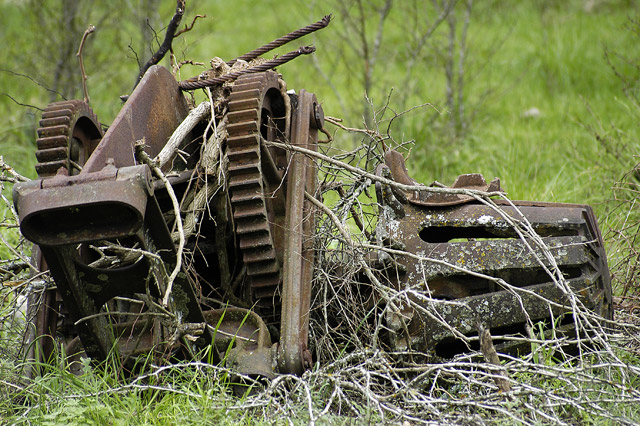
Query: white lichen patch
(485, 219)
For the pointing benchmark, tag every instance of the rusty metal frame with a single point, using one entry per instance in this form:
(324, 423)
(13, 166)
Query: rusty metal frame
(61, 213)
(109, 199)
(293, 353)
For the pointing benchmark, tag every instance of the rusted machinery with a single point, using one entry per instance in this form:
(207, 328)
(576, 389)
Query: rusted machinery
(92, 193)
(488, 267)
(103, 222)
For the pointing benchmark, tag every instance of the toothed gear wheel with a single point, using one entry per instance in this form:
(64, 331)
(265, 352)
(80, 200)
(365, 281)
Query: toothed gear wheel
(69, 131)
(257, 112)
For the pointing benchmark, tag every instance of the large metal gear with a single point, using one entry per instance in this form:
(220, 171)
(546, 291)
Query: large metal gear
(257, 111)
(69, 131)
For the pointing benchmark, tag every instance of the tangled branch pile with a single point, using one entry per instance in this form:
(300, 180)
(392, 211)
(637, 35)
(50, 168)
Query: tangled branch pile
(357, 373)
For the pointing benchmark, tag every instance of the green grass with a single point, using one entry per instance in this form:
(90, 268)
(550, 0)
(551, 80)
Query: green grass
(102, 395)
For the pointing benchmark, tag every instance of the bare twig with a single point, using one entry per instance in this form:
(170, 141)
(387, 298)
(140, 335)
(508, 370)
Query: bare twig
(144, 158)
(188, 28)
(373, 177)
(20, 103)
(33, 80)
(86, 34)
(166, 44)
(14, 177)
(338, 123)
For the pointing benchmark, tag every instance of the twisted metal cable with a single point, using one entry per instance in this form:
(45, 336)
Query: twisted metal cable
(283, 40)
(200, 84)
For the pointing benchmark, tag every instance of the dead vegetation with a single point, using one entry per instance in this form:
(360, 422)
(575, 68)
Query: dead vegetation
(357, 374)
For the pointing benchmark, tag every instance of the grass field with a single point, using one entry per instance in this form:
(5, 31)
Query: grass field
(543, 110)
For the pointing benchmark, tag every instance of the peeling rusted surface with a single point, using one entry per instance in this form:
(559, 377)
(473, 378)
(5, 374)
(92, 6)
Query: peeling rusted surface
(64, 214)
(88, 207)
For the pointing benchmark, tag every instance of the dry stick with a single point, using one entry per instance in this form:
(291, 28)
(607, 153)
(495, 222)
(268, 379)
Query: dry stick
(88, 31)
(9, 204)
(188, 28)
(166, 43)
(373, 177)
(144, 158)
(356, 217)
(17, 220)
(55, 92)
(336, 221)
(15, 176)
(194, 117)
(20, 103)
(490, 354)
(337, 122)
(103, 314)
(351, 243)
(12, 266)
(18, 254)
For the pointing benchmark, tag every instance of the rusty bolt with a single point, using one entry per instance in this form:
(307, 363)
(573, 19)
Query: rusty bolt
(318, 116)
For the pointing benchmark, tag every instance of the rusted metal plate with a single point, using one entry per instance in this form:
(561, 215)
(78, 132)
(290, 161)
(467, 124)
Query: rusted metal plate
(244, 337)
(502, 311)
(547, 219)
(474, 181)
(495, 255)
(153, 111)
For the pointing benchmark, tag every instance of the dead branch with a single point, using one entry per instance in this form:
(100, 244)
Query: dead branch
(166, 43)
(14, 177)
(188, 28)
(337, 122)
(144, 158)
(194, 117)
(491, 356)
(34, 81)
(20, 103)
(373, 177)
(86, 34)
